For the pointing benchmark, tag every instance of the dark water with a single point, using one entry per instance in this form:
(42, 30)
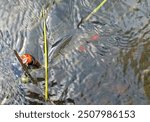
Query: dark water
(104, 61)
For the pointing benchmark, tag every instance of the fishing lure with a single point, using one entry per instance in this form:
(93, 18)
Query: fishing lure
(30, 61)
(25, 67)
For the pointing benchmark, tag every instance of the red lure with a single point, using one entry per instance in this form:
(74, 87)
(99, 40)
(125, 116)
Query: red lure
(30, 61)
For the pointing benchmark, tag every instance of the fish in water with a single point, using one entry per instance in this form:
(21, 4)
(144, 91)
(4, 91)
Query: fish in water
(59, 46)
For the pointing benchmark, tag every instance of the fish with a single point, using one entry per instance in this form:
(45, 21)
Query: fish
(57, 47)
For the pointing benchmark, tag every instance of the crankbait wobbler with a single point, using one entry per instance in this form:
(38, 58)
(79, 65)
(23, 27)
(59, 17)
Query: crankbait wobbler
(30, 61)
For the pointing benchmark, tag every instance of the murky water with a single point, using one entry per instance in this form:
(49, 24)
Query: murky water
(104, 61)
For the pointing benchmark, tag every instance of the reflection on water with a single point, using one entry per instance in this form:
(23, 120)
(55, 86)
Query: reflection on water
(105, 61)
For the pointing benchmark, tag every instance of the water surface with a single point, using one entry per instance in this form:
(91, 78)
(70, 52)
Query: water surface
(104, 61)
